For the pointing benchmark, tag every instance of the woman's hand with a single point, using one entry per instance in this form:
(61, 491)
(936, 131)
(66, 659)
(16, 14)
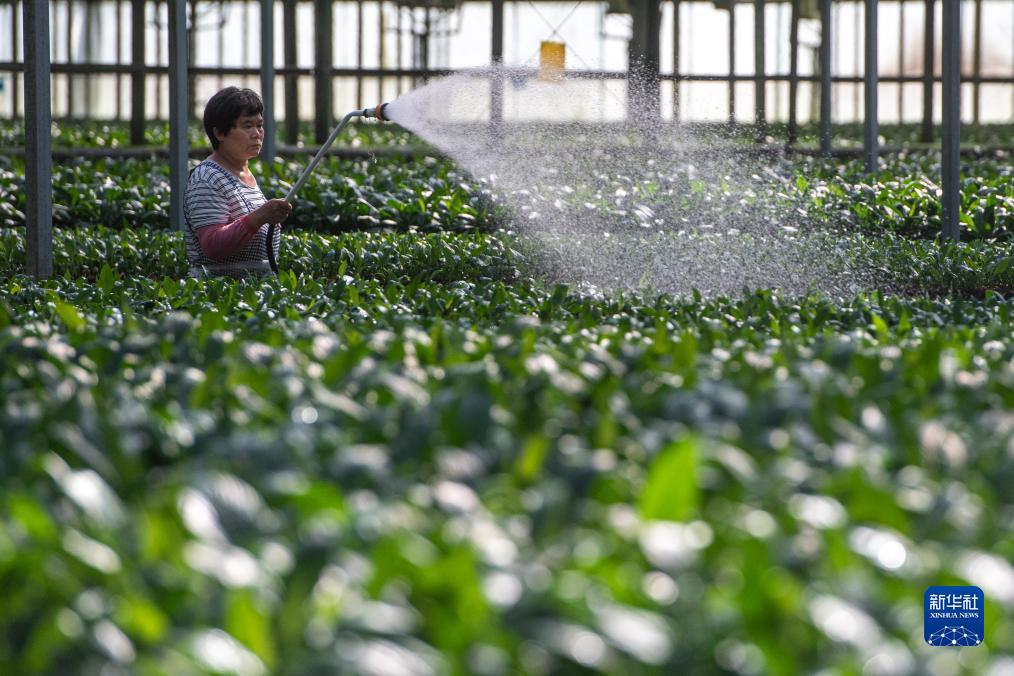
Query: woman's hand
(272, 211)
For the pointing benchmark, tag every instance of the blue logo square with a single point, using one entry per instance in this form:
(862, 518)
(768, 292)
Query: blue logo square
(953, 616)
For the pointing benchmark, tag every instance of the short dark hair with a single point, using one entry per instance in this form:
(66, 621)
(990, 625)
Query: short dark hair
(227, 106)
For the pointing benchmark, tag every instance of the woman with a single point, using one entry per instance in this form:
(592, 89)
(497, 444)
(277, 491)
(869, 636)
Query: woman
(227, 214)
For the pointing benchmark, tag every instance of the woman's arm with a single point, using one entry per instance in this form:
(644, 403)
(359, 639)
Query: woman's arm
(221, 240)
(225, 239)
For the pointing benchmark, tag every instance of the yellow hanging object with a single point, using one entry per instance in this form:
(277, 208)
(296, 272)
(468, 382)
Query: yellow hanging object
(551, 60)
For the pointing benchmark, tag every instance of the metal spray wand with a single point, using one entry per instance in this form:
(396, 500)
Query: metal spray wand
(377, 112)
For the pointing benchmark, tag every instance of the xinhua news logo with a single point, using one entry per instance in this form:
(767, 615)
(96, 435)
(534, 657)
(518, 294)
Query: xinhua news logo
(953, 616)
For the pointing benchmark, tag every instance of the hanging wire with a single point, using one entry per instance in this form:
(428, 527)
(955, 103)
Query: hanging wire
(556, 31)
(557, 27)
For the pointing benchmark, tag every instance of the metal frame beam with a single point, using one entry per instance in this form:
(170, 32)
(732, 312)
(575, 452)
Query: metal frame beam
(244, 71)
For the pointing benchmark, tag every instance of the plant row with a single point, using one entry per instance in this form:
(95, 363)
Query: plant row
(910, 267)
(111, 134)
(339, 195)
(116, 134)
(431, 194)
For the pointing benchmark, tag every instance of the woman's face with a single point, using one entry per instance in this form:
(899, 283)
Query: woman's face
(245, 139)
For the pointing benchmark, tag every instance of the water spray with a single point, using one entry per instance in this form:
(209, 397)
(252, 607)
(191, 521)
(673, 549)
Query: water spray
(379, 112)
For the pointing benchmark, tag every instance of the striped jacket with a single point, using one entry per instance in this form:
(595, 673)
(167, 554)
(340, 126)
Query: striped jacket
(215, 196)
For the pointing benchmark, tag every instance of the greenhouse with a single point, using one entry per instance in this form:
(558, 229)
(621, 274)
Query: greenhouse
(424, 337)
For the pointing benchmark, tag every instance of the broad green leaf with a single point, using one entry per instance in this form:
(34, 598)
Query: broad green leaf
(106, 279)
(881, 328)
(32, 518)
(140, 617)
(70, 317)
(246, 620)
(533, 454)
(671, 490)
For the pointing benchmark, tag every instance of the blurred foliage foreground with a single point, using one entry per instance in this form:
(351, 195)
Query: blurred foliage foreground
(405, 455)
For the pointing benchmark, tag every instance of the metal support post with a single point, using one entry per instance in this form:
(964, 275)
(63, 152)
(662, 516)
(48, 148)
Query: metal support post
(424, 44)
(977, 62)
(119, 59)
(825, 77)
(398, 47)
(89, 20)
(158, 57)
(902, 72)
(675, 60)
(951, 127)
(15, 48)
(496, 57)
(268, 79)
(381, 48)
(71, 80)
(732, 63)
(643, 90)
(759, 86)
(178, 111)
(220, 47)
(870, 126)
(137, 93)
(929, 37)
(192, 58)
(793, 127)
(359, 53)
(38, 139)
(291, 79)
(323, 63)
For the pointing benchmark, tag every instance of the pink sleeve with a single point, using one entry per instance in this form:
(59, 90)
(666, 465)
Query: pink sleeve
(226, 239)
